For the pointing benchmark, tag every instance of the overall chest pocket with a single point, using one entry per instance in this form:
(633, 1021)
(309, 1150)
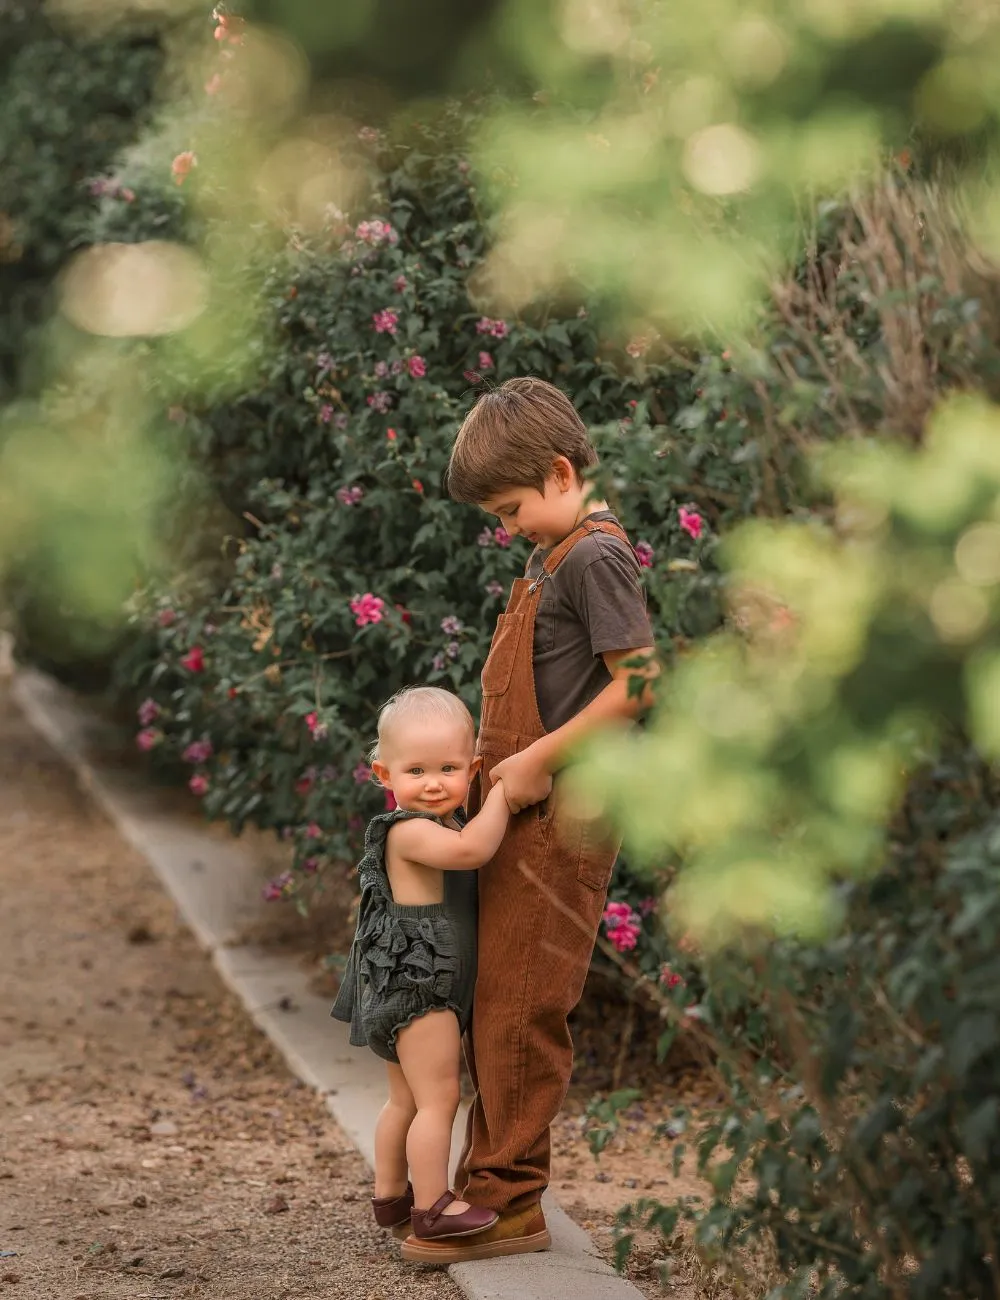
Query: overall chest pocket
(499, 666)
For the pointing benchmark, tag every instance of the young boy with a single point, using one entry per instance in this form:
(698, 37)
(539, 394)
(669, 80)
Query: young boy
(555, 673)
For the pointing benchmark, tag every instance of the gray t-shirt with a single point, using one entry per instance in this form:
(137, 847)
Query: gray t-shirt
(594, 602)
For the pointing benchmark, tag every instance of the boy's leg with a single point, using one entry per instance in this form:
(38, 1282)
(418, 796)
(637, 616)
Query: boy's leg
(536, 938)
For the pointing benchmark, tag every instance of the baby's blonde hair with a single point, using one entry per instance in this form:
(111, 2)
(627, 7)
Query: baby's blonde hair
(423, 704)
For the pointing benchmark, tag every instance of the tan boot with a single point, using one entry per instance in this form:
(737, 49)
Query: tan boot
(517, 1232)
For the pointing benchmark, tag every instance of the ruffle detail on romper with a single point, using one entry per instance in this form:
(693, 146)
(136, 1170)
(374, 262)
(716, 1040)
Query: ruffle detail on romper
(408, 954)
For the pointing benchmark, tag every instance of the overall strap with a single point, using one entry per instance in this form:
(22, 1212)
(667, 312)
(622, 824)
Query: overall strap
(587, 526)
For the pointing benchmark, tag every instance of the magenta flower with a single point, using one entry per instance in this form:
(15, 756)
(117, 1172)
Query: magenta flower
(691, 521)
(349, 496)
(644, 554)
(473, 376)
(325, 413)
(400, 283)
(615, 913)
(147, 712)
(624, 936)
(367, 609)
(375, 233)
(501, 537)
(439, 662)
(497, 328)
(417, 367)
(485, 361)
(647, 907)
(316, 728)
(148, 739)
(451, 626)
(385, 321)
(669, 979)
(199, 751)
(314, 831)
(278, 887)
(198, 784)
(380, 402)
(194, 660)
(310, 866)
(362, 773)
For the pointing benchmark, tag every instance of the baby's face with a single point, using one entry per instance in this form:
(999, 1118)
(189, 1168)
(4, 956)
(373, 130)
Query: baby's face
(428, 767)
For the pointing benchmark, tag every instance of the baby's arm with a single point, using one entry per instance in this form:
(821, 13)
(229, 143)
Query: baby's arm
(433, 845)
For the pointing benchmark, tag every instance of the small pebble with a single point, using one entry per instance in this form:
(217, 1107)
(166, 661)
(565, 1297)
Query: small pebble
(602, 1178)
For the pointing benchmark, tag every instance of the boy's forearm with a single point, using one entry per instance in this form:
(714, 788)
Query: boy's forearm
(616, 706)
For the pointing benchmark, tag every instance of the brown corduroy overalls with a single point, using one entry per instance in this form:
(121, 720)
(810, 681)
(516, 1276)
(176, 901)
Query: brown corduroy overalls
(533, 954)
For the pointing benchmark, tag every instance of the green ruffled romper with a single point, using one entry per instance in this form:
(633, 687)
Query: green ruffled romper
(406, 960)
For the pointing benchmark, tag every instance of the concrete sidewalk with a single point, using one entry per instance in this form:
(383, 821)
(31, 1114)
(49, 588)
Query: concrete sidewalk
(216, 886)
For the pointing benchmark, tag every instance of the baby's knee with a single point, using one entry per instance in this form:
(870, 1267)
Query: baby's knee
(446, 1097)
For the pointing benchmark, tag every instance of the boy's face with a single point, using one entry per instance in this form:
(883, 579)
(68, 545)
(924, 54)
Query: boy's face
(428, 768)
(545, 517)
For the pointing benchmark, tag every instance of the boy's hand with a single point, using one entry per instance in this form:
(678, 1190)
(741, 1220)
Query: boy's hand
(525, 779)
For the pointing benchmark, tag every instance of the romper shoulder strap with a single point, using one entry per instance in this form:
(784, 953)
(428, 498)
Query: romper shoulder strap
(588, 526)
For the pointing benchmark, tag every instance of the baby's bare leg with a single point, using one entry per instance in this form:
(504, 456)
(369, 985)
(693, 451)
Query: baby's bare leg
(429, 1051)
(391, 1129)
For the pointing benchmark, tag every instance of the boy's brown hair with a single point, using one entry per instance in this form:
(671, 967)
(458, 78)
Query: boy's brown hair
(511, 437)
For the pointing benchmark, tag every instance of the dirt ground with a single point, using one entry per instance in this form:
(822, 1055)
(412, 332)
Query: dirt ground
(154, 1145)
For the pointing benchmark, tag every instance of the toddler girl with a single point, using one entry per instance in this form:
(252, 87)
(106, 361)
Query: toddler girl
(407, 990)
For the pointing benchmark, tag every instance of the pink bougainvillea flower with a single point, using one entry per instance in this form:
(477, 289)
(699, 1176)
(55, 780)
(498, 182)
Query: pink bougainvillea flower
(501, 537)
(668, 978)
(485, 361)
(450, 625)
(644, 554)
(194, 660)
(147, 712)
(376, 232)
(325, 413)
(691, 521)
(417, 367)
(182, 165)
(362, 773)
(314, 831)
(316, 728)
(385, 321)
(624, 936)
(198, 784)
(199, 751)
(390, 801)
(497, 328)
(367, 609)
(148, 739)
(278, 887)
(473, 376)
(615, 913)
(349, 496)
